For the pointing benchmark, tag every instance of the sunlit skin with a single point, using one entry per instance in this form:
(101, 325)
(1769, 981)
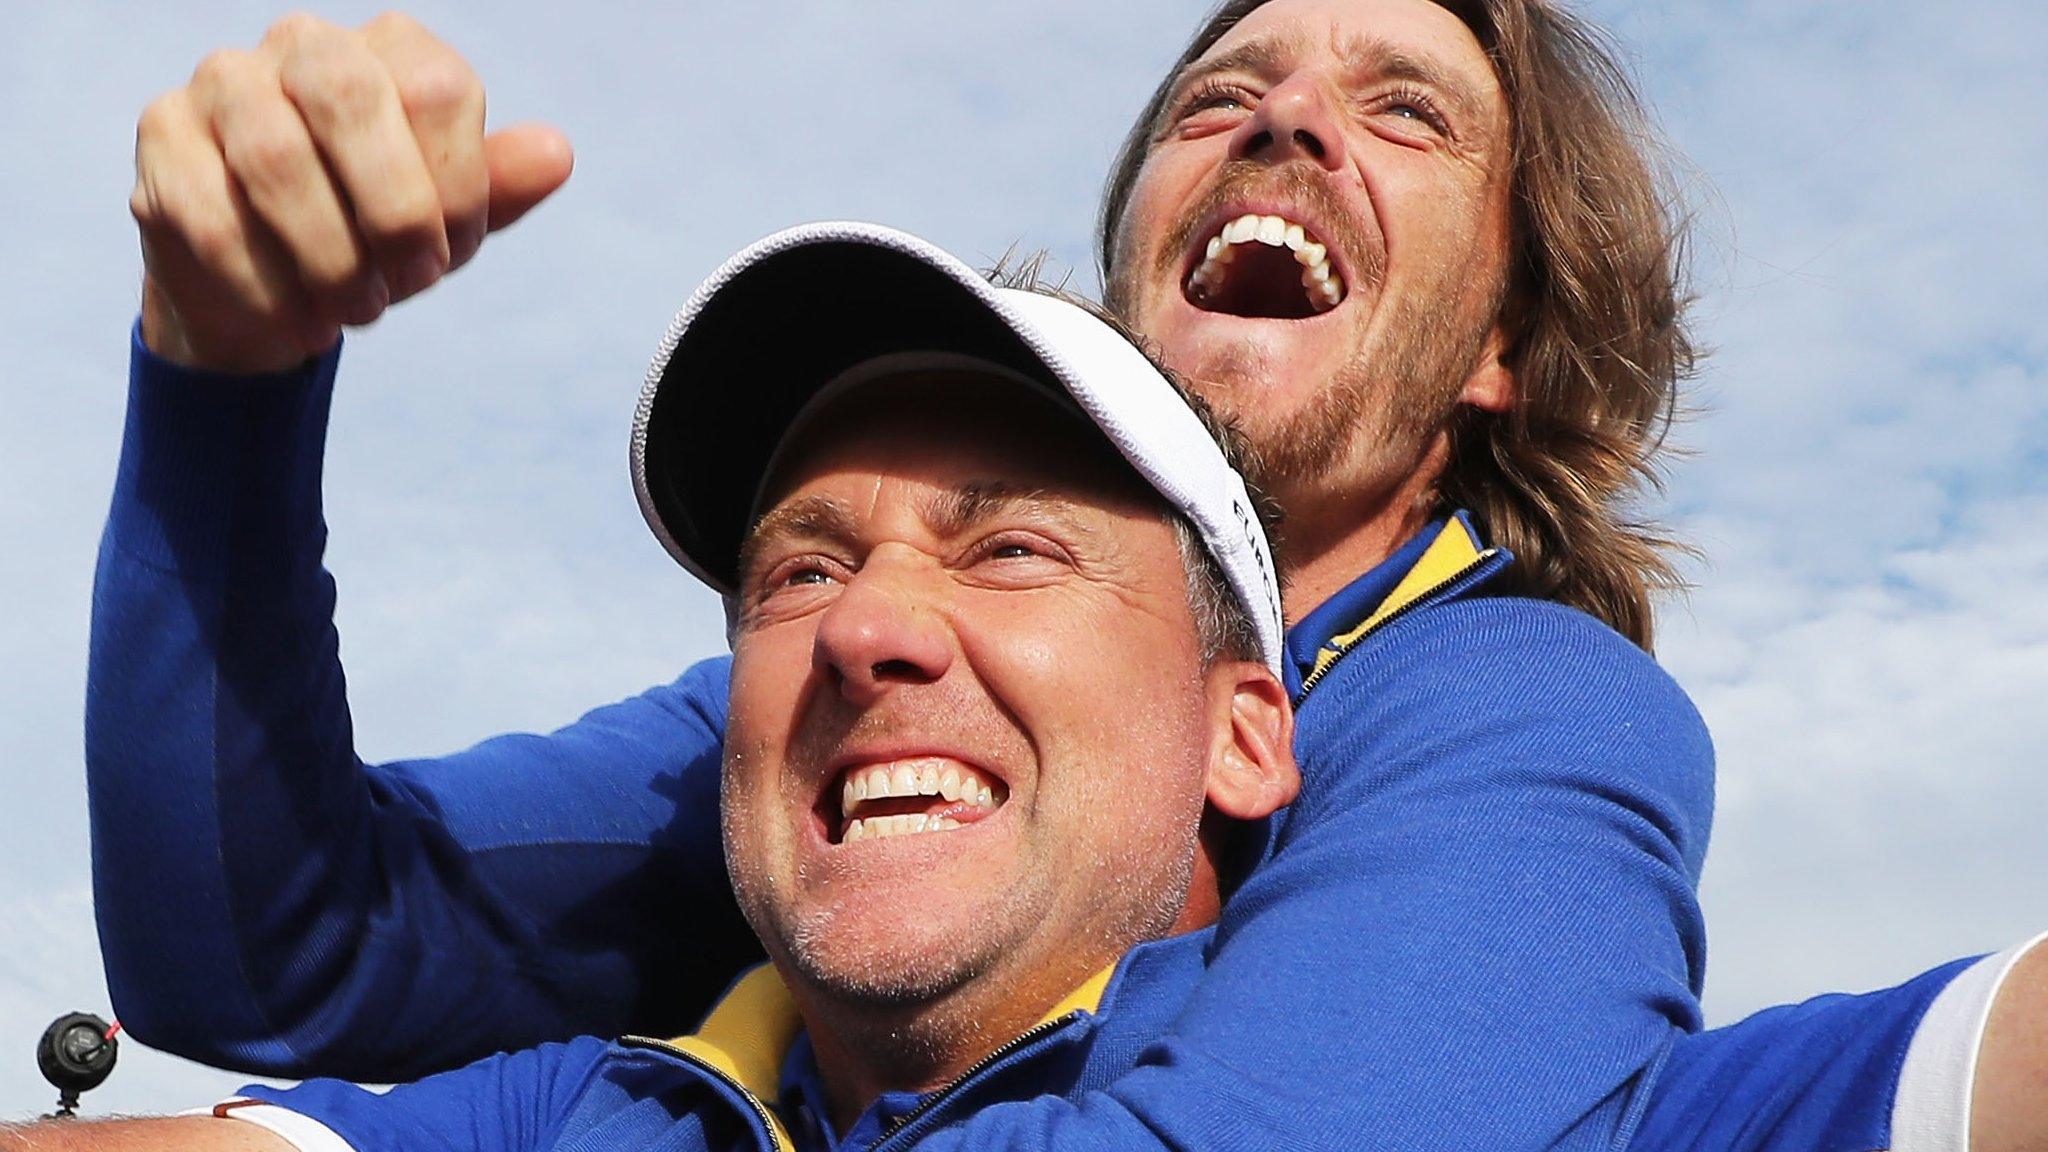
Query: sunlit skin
(1380, 125)
(973, 577)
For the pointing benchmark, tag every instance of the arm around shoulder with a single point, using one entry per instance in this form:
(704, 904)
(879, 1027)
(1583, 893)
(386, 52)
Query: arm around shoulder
(1478, 919)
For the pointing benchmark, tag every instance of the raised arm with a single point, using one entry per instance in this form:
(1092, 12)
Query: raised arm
(267, 901)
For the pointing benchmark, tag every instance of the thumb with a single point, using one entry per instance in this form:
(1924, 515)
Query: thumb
(527, 162)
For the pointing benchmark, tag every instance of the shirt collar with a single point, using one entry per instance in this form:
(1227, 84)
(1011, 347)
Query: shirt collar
(1352, 604)
(808, 1114)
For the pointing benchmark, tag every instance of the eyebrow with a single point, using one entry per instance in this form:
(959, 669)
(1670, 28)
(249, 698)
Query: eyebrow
(813, 517)
(1374, 57)
(947, 513)
(1262, 56)
(951, 513)
(1368, 56)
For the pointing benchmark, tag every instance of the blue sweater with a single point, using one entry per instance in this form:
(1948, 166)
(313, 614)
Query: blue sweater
(1478, 919)
(722, 1086)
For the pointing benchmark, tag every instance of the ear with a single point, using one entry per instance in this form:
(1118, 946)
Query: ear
(1252, 773)
(1491, 387)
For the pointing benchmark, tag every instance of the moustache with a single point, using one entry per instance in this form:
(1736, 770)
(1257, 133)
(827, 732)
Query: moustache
(1299, 182)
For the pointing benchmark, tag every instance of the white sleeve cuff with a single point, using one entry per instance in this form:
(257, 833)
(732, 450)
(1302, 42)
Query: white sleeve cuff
(1931, 1110)
(300, 1131)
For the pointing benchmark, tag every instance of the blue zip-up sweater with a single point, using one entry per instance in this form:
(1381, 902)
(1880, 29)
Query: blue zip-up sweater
(1479, 918)
(720, 1088)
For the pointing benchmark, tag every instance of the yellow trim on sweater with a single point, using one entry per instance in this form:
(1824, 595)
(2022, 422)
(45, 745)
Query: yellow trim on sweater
(1450, 553)
(749, 1032)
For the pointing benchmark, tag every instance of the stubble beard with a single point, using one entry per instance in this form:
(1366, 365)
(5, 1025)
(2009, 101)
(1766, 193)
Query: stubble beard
(913, 1005)
(1374, 417)
(1377, 414)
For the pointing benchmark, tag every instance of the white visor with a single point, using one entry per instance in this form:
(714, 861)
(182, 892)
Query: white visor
(777, 323)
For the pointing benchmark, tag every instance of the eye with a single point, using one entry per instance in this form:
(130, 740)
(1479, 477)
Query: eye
(792, 581)
(1017, 556)
(1212, 96)
(1414, 108)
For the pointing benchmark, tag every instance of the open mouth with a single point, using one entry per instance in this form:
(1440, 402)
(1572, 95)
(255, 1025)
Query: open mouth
(1267, 267)
(913, 797)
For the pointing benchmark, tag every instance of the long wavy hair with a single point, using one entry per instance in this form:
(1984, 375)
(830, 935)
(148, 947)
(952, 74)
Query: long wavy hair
(1595, 313)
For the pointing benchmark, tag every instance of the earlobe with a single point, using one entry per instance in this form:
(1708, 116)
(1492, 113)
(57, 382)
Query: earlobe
(1491, 387)
(1252, 773)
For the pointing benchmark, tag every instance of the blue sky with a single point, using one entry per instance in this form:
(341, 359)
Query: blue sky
(1867, 638)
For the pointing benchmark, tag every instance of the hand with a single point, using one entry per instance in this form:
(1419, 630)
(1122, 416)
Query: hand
(313, 183)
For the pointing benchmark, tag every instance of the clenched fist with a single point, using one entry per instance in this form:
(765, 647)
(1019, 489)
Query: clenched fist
(314, 182)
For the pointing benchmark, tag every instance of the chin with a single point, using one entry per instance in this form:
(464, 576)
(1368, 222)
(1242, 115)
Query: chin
(873, 964)
(1225, 357)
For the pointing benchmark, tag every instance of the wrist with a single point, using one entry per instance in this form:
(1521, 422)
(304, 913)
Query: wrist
(166, 336)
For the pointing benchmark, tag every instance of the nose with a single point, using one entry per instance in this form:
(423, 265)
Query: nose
(1293, 121)
(884, 630)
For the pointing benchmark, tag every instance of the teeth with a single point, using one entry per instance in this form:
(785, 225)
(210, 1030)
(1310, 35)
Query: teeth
(882, 827)
(929, 777)
(1324, 287)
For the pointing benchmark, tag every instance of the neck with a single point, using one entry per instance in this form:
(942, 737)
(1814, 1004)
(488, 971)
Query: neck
(1332, 537)
(865, 1052)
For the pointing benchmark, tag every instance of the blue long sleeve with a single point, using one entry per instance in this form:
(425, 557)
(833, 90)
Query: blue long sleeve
(1479, 918)
(1477, 929)
(268, 901)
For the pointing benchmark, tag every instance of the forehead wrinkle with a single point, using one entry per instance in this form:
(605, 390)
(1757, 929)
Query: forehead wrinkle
(957, 509)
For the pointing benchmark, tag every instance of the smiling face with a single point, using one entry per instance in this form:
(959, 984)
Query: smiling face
(1318, 239)
(971, 724)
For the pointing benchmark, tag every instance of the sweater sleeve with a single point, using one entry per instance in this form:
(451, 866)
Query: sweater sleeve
(268, 901)
(1477, 927)
(509, 1102)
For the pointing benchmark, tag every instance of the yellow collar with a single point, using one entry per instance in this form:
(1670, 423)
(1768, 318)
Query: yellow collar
(748, 1034)
(1453, 553)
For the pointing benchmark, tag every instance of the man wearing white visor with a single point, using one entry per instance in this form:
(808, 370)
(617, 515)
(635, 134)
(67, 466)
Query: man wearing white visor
(1006, 718)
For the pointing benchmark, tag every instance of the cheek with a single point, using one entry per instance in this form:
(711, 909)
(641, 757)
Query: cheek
(1090, 688)
(762, 702)
(1157, 197)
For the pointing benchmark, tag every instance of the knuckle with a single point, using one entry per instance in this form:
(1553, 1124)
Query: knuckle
(332, 269)
(215, 240)
(294, 28)
(142, 205)
(221, 67)
(439, 83)
(408, 215)
(392, 22)
(161, 117)
(352, 88)
(268, 158)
